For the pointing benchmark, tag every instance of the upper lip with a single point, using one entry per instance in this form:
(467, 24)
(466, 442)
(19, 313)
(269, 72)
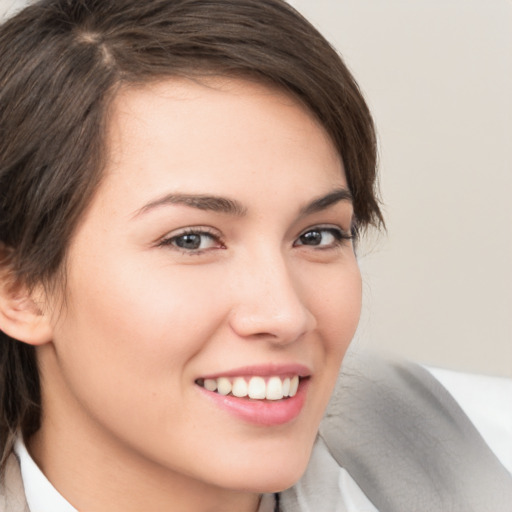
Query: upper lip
(264, 370)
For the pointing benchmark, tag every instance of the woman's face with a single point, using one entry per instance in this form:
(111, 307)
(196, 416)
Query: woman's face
(216, 252)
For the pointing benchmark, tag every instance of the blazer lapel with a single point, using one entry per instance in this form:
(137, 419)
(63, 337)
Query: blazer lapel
(408, 444)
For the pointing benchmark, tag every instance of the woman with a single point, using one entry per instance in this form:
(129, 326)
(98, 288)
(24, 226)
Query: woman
(182, 184)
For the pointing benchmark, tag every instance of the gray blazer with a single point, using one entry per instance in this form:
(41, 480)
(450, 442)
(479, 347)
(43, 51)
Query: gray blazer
(408, 444)
(402, 438)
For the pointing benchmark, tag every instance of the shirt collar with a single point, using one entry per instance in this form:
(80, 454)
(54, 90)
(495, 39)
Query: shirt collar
(40, 494)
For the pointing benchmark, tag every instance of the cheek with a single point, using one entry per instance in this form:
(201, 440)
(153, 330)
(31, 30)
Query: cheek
(337, 305)
(126, 324)
(337, 310)
(153, 303)
(125, 343)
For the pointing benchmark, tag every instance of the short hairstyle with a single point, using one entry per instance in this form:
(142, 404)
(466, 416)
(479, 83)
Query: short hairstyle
(61, 63)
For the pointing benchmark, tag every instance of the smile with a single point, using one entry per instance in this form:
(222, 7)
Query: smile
(256, 387)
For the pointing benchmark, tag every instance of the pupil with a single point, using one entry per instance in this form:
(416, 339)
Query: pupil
(189, 241)
(311, 238)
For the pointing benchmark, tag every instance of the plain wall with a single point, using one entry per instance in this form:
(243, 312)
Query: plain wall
(7, 7)
(438, 77)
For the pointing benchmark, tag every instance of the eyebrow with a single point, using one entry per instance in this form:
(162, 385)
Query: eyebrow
(324, 202)
(232, 207)
(200, 202)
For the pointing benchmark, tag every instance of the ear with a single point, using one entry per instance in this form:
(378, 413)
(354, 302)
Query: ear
(21, 314)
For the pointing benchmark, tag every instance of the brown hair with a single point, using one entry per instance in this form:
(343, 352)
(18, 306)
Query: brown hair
(61, 62)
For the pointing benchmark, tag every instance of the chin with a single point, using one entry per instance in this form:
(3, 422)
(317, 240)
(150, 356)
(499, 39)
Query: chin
(274, 480)
(269, 472)
(281, 480)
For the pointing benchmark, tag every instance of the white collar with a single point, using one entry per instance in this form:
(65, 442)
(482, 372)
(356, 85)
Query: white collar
(40, 494)
(323, 480)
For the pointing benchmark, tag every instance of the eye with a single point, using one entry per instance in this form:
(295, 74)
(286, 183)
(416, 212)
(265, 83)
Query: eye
(323, 237)
(193, 241)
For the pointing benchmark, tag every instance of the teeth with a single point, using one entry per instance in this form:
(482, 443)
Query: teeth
(256, 388)
(210, 384)
(223, 386)
(286, 387)
(239, 387)
(274, 389)
(294, 384)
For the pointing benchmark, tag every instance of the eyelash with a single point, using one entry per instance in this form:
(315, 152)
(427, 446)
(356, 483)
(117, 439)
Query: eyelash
(340, 237)
(199, 231)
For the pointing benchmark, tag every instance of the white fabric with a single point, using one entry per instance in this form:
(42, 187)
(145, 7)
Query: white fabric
(40, 493)
(488, 403)
(325, 487)
(42, 496)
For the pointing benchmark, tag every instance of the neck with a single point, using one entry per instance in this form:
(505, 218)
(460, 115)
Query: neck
(101, 481)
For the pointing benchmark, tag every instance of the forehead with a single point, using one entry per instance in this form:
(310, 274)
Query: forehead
(215, 132)
(203, 106)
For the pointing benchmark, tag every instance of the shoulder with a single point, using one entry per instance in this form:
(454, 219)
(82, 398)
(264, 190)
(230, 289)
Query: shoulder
(12, 494)
(407, 443)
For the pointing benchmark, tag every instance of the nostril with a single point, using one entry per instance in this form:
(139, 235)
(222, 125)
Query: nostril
(268, 305)
(273, 329)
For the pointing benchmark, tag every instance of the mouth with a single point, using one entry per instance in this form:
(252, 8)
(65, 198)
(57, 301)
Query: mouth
(262, 395)
(271, 387)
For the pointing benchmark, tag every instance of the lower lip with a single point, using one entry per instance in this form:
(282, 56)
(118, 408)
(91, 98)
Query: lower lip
(262, 412)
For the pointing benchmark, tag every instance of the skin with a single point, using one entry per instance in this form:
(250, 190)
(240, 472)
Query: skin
(125, 426)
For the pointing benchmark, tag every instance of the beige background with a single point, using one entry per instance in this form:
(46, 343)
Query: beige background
(438, 76)
(9, 6)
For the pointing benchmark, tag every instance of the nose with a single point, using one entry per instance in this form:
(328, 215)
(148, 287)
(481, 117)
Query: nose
(269, 302)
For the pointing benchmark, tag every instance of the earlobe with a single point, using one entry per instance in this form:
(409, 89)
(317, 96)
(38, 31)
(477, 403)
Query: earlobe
(21, 317)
